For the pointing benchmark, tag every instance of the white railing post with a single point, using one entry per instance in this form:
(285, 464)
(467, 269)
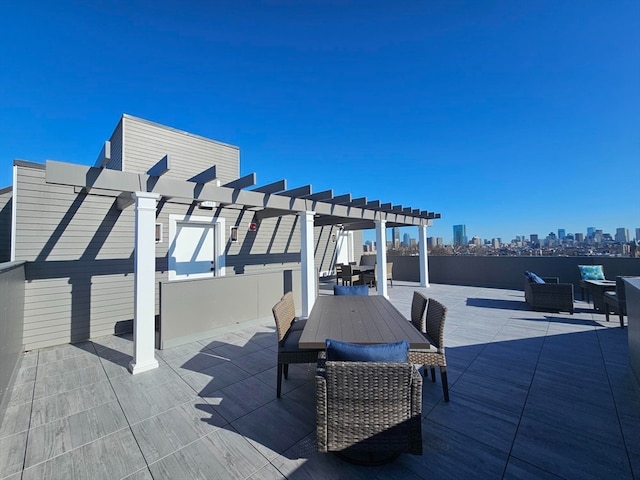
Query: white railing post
(307, 259)
(424, 260)
(381, 257)
(144, 274)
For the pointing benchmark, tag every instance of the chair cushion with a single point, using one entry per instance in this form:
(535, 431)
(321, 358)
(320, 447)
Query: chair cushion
(290, 342)
(298, 324)
(591, 272)
(351, 352)
(533, 277)
(362, 290)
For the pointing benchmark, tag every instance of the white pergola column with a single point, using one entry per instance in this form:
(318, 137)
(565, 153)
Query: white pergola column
(144, 286)
(308, 262)
(424, 260)
(381, 257)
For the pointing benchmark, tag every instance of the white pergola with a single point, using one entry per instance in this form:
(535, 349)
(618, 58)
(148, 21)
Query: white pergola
(272, 200)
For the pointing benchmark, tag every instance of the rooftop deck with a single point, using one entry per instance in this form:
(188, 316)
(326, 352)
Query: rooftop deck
(533, 395)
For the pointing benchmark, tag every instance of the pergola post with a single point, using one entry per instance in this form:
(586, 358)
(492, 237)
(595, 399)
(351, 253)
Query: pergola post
(307, 259)
(144, 274)
(424, 260)
(381, 257)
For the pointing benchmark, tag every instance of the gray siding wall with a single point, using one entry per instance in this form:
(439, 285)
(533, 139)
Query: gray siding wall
(6, 204)
(145, 143)
(79, 253)
(116, 148)
(11, 326)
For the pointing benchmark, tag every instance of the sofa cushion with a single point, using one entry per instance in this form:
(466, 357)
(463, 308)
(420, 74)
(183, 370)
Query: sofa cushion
(591, 272)
(533, 277)
(351, 352)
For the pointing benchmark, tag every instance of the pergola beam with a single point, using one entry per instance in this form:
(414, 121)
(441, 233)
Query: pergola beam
(161, 167)
(274, 187)
(205, 176)
(119, 181)
(242, 182)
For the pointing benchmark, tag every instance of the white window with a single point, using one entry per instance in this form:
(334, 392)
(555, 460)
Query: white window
(196, 247)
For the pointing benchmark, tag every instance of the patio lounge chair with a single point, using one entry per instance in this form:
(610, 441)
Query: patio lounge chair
(432, 327)
(289, 331)
(589, 272)
(550, 295)
(369, 412)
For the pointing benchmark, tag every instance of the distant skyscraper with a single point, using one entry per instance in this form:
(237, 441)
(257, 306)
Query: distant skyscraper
(591, 231)
(459, 235)
(622, 235)
(561, 233)
(396, 236)
(579, 237)
(406, 239)
(637, 234)
(495, 243)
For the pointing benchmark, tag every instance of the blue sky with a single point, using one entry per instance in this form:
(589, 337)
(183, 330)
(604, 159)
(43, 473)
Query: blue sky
(510, 117)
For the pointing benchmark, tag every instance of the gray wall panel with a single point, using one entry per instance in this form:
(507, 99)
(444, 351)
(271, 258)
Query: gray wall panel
(145, 143)
(192, 309)
(11, 327)
(632, 291)
(506, 272)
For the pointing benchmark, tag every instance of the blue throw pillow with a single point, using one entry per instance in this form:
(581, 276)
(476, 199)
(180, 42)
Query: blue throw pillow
(591, 272)
(533, 277)
(362, 290)
(351, 352)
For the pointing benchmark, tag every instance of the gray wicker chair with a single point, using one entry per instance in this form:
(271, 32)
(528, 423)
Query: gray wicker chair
(369, 412)
(616, 300)
(289, 331)
(348, 276)
(432, 327)
(371, 277)
(550, 295)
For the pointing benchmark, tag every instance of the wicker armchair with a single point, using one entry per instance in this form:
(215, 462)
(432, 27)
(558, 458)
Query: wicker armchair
(368, 411)
(289, 331)
(432, 327)
(550, 295)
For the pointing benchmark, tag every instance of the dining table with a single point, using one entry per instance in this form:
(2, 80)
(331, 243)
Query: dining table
(364, 320)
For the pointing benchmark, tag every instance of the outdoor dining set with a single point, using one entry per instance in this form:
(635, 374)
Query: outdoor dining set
(367, 387)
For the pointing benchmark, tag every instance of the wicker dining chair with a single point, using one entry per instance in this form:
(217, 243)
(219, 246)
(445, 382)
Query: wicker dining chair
(432, 327)
(369, 412)
(289, 330)
(348, 275)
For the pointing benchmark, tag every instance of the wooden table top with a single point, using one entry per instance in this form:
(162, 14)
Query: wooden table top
(358, 319)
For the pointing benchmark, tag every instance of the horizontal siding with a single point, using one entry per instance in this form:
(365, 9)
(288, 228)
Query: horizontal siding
(145, 143)
(115, 163)
(6, 204)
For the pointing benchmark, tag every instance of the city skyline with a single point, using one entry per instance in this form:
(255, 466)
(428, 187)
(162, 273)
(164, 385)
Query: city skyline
(512, 118)
(369, 235)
